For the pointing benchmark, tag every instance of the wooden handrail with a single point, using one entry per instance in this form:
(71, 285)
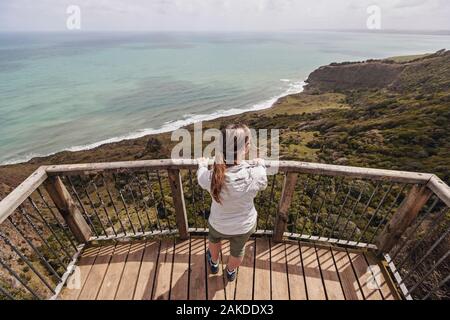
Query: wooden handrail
(423, 186)
(13, 200)
(440, 188)
(291, 168)
(283, 166)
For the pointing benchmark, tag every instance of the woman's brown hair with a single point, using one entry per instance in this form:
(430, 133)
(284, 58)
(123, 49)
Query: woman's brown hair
(238, 138)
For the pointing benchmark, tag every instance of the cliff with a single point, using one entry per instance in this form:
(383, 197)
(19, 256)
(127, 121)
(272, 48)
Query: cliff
(353, 76)
(427, 72)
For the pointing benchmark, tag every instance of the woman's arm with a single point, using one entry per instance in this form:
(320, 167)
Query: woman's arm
(203, 174)
(259, 175)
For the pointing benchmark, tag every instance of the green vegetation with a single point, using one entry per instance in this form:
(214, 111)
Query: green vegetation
(403, 126)
(409, 58)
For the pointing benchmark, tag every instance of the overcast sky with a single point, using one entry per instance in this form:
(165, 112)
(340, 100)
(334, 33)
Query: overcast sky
(224, 15)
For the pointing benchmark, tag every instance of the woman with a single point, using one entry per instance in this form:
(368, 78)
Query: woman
(233, 184)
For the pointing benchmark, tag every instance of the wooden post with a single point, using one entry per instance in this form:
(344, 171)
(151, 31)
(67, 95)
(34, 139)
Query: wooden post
(290, 181)
(176, 186)
(68, 209)
(403, 217)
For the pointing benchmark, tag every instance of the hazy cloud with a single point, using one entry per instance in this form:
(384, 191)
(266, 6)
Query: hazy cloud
(223, 14)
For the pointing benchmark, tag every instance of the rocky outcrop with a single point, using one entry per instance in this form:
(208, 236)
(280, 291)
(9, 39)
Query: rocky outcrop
(344, 77)
(377, 74)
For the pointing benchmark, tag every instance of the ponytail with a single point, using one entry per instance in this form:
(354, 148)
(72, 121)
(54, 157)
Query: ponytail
(220, 165)
(218, 180)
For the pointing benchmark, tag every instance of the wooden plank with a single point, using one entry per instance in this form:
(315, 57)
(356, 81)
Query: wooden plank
(13, 200)
(262, 270)
(297, 289)
(403, 217)
(97, 273)
(280, 286)
(114, 274)
(352, 172)
(68, 209)
(180, 273)
(131, 236)
(283, 166)
(216, 283)
(117, 166)
(147, 273)
(382, 280)
(230, 287)
(350, 285)
(130, 275)
(197, 277)
(164, 270)
(244, 284)
(329, 274)
(326, 240)
(77, 280)
(176, 186)
(363, 274)
(290, 181)
(313, 278)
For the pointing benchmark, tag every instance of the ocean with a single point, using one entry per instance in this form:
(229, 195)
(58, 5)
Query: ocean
(74, 91)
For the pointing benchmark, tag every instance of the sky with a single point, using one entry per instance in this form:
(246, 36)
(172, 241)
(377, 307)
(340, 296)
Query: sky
(223, 15)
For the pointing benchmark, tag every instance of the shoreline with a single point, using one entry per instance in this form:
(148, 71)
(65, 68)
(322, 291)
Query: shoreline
(295, 87)
(314, 118)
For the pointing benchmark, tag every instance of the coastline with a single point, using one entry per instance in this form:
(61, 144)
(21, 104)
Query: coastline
(295, 87)
(315, 125)
(135, 148)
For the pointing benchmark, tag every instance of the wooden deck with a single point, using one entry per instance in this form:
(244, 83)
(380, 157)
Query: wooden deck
(170, 269)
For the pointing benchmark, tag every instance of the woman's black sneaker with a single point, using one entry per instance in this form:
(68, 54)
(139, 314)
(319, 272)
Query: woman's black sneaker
(213, 267)
(231, 275)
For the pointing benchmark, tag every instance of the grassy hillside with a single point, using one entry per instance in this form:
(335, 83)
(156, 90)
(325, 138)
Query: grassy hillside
(409, 58)
(403, 126)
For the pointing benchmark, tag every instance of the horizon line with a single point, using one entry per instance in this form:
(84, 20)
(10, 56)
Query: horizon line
(403, 31)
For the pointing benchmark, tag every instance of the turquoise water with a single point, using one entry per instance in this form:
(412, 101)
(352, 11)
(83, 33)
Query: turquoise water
(71, 91)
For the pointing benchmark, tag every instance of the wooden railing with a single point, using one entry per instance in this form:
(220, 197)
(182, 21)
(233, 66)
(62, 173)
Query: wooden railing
(46, 221)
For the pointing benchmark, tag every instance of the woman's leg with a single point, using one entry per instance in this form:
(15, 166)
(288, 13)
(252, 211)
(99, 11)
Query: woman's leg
(237, 244)
(237, 251)
(234, 262)
(214, 243)
(214, 249)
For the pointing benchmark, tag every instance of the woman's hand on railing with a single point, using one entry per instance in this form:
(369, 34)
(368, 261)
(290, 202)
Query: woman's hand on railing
(259, 162)
(202, 162)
